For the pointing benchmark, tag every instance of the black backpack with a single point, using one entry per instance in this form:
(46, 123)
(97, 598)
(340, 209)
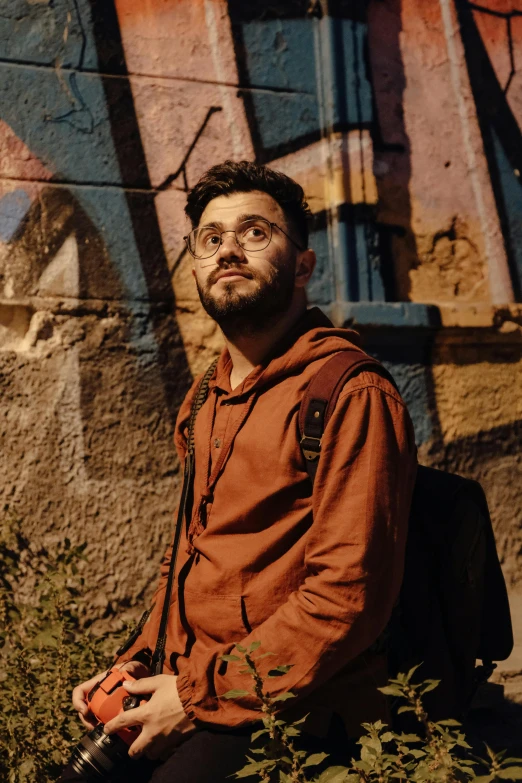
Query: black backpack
(453, 607)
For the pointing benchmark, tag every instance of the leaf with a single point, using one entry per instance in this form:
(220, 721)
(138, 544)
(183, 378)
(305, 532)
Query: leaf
(416, 753)
(234, 694)
(391, 690)
(484, 779)
(375, 744)
(284, 696)
(254, 646)
(334, 775)
(387, 736)
(315, 759)
(405, 708)
(240, 648)
(429, 685)
(279, 670)
(490, 752)
(229, 658)
(257, 734)
(250, 769)
(510, 773)
(264, 655)
(284, 778)
(448, 722)
(412, 672)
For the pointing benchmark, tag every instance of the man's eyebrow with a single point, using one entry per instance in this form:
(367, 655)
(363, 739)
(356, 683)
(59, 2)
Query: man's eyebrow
(239, 219)
(244, 216)
(212, 224)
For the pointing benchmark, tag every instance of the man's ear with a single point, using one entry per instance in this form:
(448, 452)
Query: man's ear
(304, 268)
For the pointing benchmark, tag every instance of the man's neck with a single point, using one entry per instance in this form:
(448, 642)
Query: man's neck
(248, 350)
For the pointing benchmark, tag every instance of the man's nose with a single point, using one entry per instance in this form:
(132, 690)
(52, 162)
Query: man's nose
(229, 249)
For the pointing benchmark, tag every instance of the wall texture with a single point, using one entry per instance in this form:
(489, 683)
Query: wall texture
(402, 119)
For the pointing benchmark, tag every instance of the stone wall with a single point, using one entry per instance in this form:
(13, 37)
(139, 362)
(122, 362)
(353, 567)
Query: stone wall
(402, 120)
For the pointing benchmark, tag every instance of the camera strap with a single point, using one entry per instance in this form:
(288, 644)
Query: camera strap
(184, 509)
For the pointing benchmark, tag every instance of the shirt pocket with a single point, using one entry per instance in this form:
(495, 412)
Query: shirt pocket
(214, 618)
(258, 606)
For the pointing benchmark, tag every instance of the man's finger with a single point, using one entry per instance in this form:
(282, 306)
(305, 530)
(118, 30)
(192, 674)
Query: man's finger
(78, 699)
(89, 724)
(79, 694)
(145, 685)
(136, 668)
(140, 745)
(133, 717)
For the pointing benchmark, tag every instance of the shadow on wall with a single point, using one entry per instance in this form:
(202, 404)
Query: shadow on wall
(52, 219)
(392, 151)
(131, 159)
(500, 128)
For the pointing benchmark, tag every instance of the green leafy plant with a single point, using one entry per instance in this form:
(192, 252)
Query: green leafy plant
(437, 753)
(45, 649)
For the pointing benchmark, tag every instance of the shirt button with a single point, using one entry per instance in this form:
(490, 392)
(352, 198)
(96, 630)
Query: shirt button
(217, 443)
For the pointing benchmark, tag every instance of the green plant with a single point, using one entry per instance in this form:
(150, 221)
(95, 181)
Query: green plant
(45, 649)
(438, 753)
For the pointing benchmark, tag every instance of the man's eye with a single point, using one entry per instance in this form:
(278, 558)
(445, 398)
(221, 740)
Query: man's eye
(211, 239)
(255, 232)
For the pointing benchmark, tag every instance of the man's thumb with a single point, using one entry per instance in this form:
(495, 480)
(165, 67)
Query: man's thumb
(145, 685)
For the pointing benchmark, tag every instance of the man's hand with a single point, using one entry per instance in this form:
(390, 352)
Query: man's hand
(79, 694)
(163, 720)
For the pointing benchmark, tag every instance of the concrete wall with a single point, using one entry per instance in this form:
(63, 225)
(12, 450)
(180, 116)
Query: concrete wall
(402, 120)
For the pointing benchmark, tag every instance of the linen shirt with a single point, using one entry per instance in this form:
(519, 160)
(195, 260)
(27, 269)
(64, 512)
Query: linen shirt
(311, 574)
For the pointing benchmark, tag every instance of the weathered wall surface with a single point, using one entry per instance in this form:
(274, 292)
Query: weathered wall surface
(402, 120)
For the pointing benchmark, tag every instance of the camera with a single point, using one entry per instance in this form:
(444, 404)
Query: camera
(98, 754)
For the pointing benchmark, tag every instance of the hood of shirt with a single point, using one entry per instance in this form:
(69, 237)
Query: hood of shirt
(313, 337)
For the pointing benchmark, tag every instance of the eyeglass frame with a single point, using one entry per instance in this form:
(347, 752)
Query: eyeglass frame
(233, 231)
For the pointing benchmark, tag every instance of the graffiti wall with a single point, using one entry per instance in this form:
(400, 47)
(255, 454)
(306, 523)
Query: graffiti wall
(402, 120)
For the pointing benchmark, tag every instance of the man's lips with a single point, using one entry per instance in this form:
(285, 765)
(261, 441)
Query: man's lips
(231, 273)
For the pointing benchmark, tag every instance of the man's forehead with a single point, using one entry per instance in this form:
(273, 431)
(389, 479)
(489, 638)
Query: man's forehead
(228, 208)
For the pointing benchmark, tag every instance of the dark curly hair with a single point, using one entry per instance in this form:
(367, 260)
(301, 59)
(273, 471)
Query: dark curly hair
(243, 177)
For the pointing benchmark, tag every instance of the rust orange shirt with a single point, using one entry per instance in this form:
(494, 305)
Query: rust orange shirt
(312, 575)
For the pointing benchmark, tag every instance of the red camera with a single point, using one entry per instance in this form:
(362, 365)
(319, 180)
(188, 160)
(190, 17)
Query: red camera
(108, 698)
(98, 754)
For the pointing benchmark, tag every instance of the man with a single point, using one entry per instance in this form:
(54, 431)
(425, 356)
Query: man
(311, 575)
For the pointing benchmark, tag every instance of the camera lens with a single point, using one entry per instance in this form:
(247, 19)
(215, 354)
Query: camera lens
(97, 754)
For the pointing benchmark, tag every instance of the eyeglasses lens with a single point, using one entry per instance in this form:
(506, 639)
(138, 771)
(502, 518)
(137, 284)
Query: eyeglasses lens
(251, 235)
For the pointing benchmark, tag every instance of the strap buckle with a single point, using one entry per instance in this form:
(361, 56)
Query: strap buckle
(310, 450)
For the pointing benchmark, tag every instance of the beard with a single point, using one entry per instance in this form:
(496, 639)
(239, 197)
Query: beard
(252, 312)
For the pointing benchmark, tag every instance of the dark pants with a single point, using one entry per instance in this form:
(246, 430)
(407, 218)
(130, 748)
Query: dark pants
(212, 756)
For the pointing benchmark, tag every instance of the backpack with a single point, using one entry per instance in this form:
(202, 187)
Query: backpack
(453, 607)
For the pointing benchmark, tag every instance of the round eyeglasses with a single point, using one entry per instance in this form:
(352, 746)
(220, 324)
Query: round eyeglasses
(252, 235)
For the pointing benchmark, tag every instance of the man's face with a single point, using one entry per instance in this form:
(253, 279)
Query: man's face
(243, 290)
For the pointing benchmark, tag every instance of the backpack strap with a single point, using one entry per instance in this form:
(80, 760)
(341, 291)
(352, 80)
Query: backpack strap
(320, 399)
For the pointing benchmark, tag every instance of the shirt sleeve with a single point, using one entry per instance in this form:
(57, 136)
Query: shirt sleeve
(354, 561)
